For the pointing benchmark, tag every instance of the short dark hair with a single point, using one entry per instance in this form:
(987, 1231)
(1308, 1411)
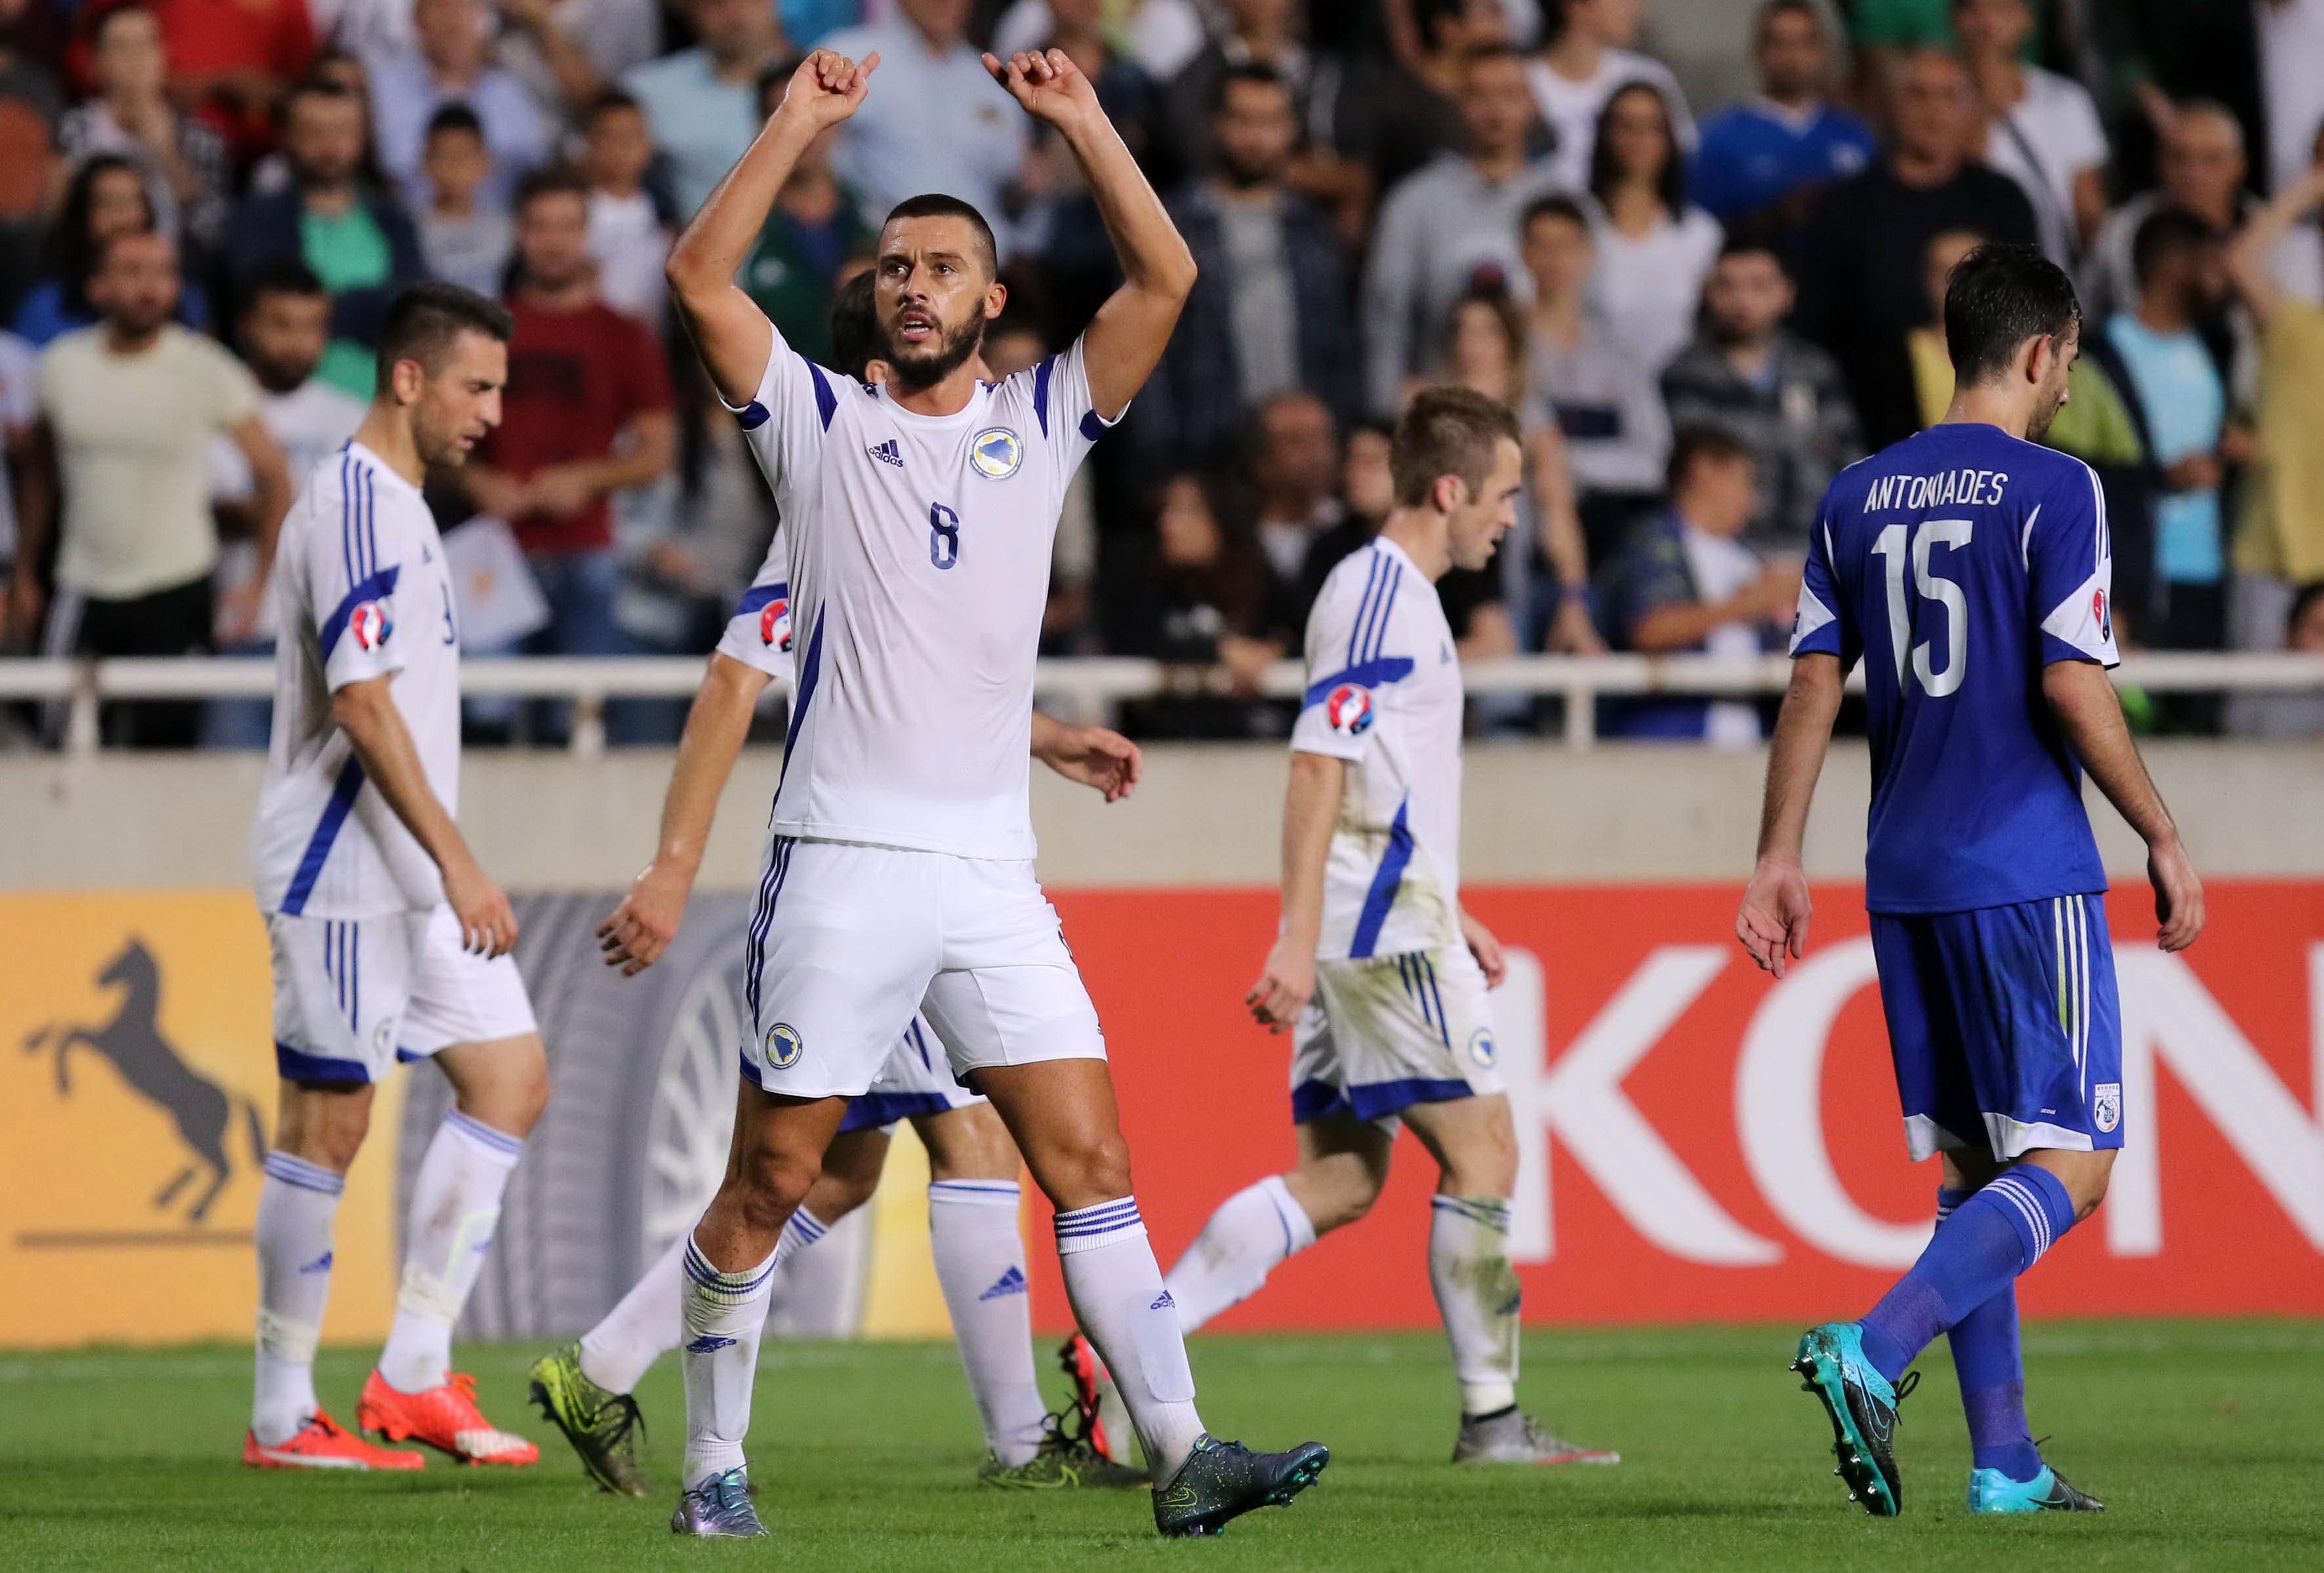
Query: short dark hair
(454, 117)
(1556, 205)
(1446, 431)
(550, 181)
(1499, 49)
(2302, 598)
(1251, 74)
(1772, 9)
(1999, 295)
(312, 85)
(606, 102)
(855, 326)
(2162, 233)
(1700, 443)
(937, 205)
(424, 319)
(1750, 242)
(280, 276)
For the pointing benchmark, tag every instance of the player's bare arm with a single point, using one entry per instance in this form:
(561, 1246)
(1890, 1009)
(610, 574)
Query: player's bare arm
(1311, 807)
(733, 335)
(1485, 949)
(2082, 698)
(366, 712)
(1773, 922)
(1105, 760)
(1126, 339)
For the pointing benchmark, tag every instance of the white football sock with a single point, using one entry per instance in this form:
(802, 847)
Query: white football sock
(981, 1264)
(1477, 1295)
(725, 1313)
(1253, 1233)
(1117, 1295)
(297, 1203)
(648, 1323)
(456, 1203)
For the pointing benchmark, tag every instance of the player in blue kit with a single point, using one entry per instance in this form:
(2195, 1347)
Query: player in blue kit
(1971, 571)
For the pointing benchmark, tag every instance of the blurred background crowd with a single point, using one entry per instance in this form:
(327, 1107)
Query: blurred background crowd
(1696, 244)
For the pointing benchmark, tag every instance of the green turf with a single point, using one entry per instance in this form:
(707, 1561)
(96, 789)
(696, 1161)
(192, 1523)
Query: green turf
(2204, 1437)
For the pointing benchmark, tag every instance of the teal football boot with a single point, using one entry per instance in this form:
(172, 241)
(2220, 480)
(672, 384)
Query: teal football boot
(1861, 1404)
(1991, 1491)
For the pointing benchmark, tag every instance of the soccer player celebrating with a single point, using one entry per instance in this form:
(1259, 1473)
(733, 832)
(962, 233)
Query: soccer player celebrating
(917, 520)
(1379, 972)
(1969, 570)
(389, 941)
(584, 1389)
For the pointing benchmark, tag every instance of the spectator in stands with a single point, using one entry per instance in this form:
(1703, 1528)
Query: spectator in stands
(587, 414)
(448, 62)
(1860, 264)
(1780, 395)
(1367, 492)
(1132, 99)
(30, 106)
(2293, 717)
(1206, 602)
(1586, 56)
(629, 230)
(1160, 35)
(1653, 250)
(356, 240)
(2042, 129)
(1601, 400)
(1054, 224)
(2280, 539)
(465, 233)
(2291, 49)
(1423, 120)
(1686, 583)
(1452, 225)
(1764, 162)
(19, 408)
(2202, 167)
(936, 121)
(135, 540)
(1270, 309)
(106, 197)
(702, 103)
(816, 227)
(2182, 404)
(234, 64)
(187, 173)
(1294, 460)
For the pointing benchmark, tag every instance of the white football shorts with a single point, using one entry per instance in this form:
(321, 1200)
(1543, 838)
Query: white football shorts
(1389, 1032)
(917, 1080)
(847, 942)
(355, 996)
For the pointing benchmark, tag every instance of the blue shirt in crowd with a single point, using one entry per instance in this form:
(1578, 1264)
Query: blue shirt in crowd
(1755, 154)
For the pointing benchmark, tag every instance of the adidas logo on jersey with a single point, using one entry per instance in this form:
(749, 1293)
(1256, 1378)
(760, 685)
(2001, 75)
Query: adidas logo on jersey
(887, 453)
(1010, 1282)
(1165, 1303)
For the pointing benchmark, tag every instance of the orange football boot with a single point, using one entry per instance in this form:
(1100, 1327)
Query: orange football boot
(445, 1417)
(322, 1443)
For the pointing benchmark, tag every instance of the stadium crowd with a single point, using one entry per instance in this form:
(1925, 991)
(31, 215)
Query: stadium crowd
(1701, 310)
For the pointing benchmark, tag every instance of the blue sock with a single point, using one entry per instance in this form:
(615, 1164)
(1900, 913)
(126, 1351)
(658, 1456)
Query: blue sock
(1992, 1375)
(1979, 1251)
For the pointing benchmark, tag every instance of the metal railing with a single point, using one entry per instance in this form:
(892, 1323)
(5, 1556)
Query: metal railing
(1080, 687)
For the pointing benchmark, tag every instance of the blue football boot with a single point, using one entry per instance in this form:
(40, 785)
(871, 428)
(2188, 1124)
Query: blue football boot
(719, 1506)
(1991, 1491)
(1862, 1406)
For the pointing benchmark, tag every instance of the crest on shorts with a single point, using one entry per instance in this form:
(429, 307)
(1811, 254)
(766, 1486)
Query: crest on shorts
(996, 453)
(1483, 1048)
(1349, 709)
(2106, 1106)
(371, 625)
(2105, 618)
(783, 1046)
(775, 623)
(382, 1037)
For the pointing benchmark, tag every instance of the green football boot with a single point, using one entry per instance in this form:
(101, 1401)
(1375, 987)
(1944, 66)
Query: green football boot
(1063, 1461)
(603, 1426)
(1221, 1481)
(1861, 1404)
(1991, 1491)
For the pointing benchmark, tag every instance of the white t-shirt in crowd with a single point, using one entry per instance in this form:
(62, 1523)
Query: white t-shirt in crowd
(2050, 135)
(627, 238)
(311, 422)
(1722, 567)
(1647, 289)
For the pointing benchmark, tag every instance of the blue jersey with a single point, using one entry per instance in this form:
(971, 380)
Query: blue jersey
(1956, 564)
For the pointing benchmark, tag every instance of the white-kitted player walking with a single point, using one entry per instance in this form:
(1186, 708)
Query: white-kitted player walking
(919, 516)
(1378, 971)
(389, 942)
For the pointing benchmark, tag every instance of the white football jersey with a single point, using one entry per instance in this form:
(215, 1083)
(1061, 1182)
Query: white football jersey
(1383, 693)
(919, 555)
(361, 590)
(759, 633)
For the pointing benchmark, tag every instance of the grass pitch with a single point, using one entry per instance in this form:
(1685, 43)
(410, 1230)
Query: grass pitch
(2205, 1440)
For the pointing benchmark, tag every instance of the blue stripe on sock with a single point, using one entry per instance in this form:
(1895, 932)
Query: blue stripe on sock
(500, 1141)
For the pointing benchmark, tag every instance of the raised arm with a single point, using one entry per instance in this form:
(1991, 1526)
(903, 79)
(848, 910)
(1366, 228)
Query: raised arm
(726, 326)
(2256, 243)
(1311, 807)
(2083, 700)
(1125, 340)
(1773, 922)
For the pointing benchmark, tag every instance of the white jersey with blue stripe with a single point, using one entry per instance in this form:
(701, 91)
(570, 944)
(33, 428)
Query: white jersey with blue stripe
(362, 590)
(916, 553)
(1383, 693)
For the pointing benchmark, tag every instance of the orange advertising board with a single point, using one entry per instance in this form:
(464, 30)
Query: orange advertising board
(1699, 1141)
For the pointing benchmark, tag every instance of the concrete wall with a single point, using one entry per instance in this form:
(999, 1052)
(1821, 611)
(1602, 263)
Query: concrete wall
(1205, 814)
